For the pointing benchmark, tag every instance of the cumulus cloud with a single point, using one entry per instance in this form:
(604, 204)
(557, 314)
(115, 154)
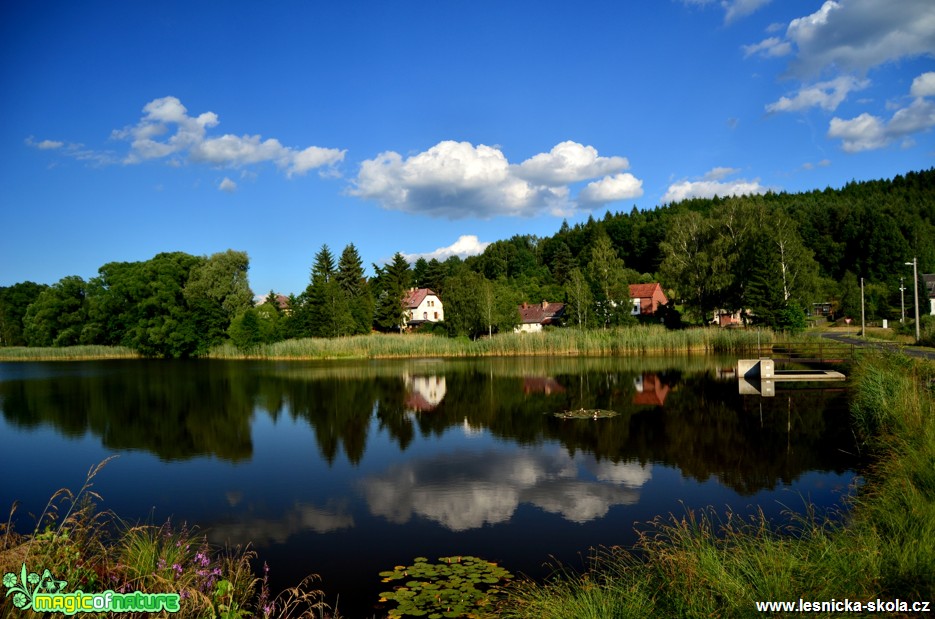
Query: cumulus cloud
(857, 35)
(712, 185)
(870, 132)
(167, 131)
(826, 95)
(466, 245)
(568, 162)
(611, 189)
(924, 85)
(227, 185)
(457, 180)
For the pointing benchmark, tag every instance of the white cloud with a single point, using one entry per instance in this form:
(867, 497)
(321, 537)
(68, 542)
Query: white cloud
(711, 185)
(569, 162)
(824, 163)
(49, 145)
(457, 180)
(227, 185)
(826, 95)
(870, 132)
(611, 189)
(733, 9)
(924, 85)
(466, 245)
(857, 35)
(716, 174)
(773, 47)
(167, 130)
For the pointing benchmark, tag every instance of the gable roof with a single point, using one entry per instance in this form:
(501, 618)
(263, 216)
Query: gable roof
(643, 291)
(540, 313)
(415, 296)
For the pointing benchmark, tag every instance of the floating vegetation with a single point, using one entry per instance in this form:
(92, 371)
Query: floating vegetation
(455, 587)
(587, 413)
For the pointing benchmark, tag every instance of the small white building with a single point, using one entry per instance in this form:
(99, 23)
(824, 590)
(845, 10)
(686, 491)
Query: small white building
(422, 305)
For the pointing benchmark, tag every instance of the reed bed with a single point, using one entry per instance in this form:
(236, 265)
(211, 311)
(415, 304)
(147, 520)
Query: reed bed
(705, 564)
(66, 353)
(643, 340)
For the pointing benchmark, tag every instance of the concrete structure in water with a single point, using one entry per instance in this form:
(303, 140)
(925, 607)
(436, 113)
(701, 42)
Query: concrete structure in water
(759, 376)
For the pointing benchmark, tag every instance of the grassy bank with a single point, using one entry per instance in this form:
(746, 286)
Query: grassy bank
(709, 564)
(650, 339)
(66, 353)
(93, 551)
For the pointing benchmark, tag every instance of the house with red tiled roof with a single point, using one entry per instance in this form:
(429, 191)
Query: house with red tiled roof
(422, 305)
(533, 317)
(645, 299)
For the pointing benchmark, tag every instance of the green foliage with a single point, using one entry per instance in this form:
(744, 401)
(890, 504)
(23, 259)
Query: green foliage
(356, 290)
(391, 283)
(58, 315)
(455, 587)
(476, 306)
(14, 301)
(580, 310)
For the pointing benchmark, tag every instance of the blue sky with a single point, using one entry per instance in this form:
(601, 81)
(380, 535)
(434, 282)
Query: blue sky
(429, 128)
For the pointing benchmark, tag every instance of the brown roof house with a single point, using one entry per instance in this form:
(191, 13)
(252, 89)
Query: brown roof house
(645, 299)
(533, 317)
(422, 305)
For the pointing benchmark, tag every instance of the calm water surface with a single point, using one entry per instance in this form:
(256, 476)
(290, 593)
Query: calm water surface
(346, 469)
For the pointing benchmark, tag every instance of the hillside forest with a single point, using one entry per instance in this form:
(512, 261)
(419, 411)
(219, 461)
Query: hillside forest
(774, 255)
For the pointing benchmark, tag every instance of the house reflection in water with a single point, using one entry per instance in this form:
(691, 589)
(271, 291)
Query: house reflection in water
(650, 390)
(424, 393)
(541, 384)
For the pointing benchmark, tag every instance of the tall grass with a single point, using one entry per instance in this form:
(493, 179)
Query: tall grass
(703, 564)
(651, 339)
(66, 353)
(93, 551)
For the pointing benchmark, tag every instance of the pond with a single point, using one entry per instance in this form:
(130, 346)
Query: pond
(346, 469)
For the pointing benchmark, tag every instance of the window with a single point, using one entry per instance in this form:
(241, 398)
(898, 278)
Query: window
(425, 315)
(436, 315)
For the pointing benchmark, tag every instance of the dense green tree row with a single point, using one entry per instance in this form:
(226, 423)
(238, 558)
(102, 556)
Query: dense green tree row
(173, 305)
(774, 254)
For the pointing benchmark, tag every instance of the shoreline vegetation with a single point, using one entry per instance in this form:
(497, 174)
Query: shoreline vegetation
(642, 339)
(704, 564)
(698, 564)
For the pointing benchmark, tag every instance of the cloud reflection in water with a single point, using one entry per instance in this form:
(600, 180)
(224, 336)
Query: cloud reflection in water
(466, 490)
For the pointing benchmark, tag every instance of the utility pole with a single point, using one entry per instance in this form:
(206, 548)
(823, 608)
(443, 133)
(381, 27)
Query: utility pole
(902, 298)
(863, 327)
(915, 278)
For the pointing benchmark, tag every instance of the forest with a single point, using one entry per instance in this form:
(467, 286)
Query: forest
(774, 255)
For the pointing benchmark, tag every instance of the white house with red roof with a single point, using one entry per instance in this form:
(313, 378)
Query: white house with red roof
(645, 299)
(422, 305)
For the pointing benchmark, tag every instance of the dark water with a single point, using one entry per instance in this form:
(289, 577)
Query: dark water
(347, 469)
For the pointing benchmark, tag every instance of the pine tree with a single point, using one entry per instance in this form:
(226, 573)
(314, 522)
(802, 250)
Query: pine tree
(356, 290)
(393, 282)
(327, 309)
